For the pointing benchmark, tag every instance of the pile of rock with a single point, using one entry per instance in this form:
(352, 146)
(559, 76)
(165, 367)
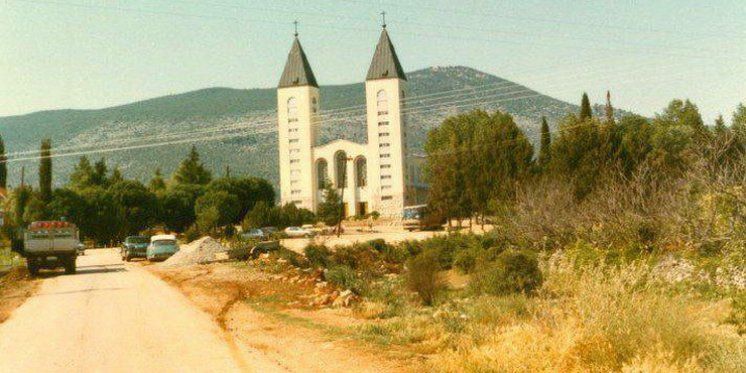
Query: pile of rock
(201, 251)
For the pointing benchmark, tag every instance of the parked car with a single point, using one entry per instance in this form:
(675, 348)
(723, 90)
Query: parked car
(134, 247)
(295, 232)
(254, 234)
(81, 248)
(162, 247)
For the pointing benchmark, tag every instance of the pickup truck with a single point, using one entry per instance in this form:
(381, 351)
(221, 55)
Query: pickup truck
(50, 245)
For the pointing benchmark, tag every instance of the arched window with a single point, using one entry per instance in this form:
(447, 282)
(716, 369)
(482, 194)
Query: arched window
(361, 172)
(382, 103)
(314, 105)
(292, 108)
(340, 160)
(322, 170)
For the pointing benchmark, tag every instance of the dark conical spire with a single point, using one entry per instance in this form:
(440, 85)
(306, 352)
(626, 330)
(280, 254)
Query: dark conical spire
(385, 63)
(297, 71)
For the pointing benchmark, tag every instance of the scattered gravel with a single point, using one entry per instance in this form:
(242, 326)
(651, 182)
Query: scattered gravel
(201, 251)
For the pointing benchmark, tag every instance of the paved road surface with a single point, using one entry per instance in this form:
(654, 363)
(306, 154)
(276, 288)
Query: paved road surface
(112, 317)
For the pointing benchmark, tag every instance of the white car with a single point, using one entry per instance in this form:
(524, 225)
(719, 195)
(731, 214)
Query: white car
(295, 232)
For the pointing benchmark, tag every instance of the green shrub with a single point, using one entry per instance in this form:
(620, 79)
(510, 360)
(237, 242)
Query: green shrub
(318, 255)
(345, 277)
(192, 233)
(357, 256)
(466, 260)
(512, 272)
(423, 276)
(378, 244)
(292, 257)
(395, 254)
(412, 247)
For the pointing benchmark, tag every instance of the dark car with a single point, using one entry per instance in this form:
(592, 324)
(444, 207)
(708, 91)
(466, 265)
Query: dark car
(135, 247)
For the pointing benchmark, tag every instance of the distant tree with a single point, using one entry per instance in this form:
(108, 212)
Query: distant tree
(116, 176)
(585, 108)
(330, 210)
(20, 199)
(291, 215)
(45, 171)
(157, 183)
(720, 128)
(82, 175)
(738, 126)
(545, 152)
(263, 214)
(249, 192)
(100, 173)
(135, 204)
(176, 206)
(216, 209)
(192, 171)
(609, 110)
(68, 204)
(36, 209)
(3, 165)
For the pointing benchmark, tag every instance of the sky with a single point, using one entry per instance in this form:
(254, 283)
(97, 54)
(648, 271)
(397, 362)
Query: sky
(88, 54)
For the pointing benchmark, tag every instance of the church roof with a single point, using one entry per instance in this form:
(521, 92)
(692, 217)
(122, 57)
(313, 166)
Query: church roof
(297, 71)
(385, 64)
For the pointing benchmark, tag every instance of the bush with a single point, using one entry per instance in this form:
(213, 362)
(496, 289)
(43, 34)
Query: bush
(318, 255)
(423, 276)
(357, 256)
(512, 272)
(192, 233)
(345, 277)
(379, 245)
(466, 260)
(292, 257)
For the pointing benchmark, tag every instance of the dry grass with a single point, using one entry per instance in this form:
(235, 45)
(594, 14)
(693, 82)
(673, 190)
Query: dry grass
(589, 319)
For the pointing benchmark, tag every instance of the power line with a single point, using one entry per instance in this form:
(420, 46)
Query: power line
(482, 98)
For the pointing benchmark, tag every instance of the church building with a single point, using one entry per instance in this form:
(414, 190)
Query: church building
(370, 176)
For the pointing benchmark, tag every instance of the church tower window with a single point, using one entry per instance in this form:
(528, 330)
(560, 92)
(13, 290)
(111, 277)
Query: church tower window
(382, 103)
(292, 109)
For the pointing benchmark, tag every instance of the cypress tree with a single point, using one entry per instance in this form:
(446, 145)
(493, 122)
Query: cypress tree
(609, 109)
(192, 171)
(45, 171)
(585, 108)
(3, 165)
(546, 143)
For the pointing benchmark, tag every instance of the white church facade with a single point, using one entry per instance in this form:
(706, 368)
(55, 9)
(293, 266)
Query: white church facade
(369, 176)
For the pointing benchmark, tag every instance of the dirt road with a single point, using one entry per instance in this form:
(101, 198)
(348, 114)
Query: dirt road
(117, 318)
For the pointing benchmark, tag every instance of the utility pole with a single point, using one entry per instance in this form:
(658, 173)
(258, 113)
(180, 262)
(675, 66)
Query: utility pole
(342, 197)
(23, 176)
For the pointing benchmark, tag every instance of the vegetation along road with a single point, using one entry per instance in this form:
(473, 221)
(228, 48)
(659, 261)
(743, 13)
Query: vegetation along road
(116, 318)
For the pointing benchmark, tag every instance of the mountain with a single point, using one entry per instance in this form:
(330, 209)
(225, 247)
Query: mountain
(250, 148)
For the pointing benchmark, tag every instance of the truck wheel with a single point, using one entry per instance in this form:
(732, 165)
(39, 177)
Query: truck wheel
(70, 265)
(33, 268)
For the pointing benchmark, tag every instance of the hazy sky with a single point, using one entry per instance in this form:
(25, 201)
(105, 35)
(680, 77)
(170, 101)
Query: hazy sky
(96, 53)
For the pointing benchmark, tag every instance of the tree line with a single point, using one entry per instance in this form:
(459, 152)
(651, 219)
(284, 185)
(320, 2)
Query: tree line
(477, 161)
(107, 207)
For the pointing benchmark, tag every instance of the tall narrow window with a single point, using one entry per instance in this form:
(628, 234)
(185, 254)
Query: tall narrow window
(315, 105)
(322, 170)
(382, 103)
(361, 172)
(292, 109)
(340, 160)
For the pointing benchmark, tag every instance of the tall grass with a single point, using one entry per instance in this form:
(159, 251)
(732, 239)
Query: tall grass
(583, 318)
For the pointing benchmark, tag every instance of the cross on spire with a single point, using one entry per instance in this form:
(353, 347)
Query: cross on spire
(295, 24)
(383, 16)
